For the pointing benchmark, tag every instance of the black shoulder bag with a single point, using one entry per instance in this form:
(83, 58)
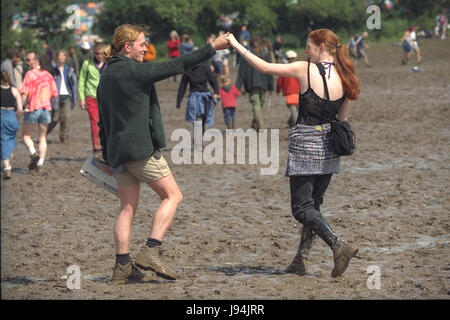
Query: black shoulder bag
(341, 131)
(344, 138)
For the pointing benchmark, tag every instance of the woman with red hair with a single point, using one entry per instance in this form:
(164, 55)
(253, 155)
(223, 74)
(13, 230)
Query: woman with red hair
(328, 85)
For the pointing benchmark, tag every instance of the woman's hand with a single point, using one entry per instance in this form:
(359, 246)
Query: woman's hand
(231, 39)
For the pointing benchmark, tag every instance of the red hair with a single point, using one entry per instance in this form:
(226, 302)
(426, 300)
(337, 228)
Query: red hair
(344, 66)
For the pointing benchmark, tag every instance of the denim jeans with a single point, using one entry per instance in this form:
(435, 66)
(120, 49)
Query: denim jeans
(228, 115)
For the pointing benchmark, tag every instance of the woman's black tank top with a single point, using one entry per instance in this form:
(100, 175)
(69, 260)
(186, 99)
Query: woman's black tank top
(8, 99)
(314, 110)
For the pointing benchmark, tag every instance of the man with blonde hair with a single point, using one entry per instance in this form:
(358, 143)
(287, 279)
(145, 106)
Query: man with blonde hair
(132, 134)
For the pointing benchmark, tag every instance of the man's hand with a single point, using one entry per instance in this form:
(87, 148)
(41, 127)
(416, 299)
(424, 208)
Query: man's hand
(83, 104)
(220, 43)
(231, 39)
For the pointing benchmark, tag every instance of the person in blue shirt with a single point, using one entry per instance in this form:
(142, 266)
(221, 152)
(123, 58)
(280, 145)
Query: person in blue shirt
(360, 46)
(186, 45)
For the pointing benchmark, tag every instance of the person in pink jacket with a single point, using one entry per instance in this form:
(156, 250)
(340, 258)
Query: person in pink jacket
(38, 88)
(228, 94)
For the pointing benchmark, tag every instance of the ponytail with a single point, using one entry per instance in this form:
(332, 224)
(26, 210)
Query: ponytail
(108, 53)
(346, 71)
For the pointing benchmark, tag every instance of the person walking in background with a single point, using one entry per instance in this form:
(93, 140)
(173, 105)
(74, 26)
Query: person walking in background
(351, 47)
(85, 48)
(67, 86)
(39, 88)
(25, 66)
(87, 92)
(277, 50)
(49, 55)
(7, 65)
(201, 101)
(255, 83)
(18, 69)
(11, 110)
(409, 44)
(186, 45)
(244, 35)
(329, 84)
(73, 61)
(360, 48)
(132, 134)
(442, 25)
(217, 63)
(173, 45)
(291, 90)
(267, 48)
(151, 51)
(228, 94)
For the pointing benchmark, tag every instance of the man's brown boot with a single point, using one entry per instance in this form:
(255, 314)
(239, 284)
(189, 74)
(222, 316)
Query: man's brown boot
(342, 254)
(149, 259)
(125, 273)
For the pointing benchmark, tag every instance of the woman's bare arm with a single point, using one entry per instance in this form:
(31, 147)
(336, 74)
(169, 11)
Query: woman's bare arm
(292, 70)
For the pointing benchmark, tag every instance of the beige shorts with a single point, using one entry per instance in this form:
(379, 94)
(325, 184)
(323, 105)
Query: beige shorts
(149, 170)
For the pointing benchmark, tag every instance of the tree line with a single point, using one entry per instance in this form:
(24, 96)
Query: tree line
(292, 19)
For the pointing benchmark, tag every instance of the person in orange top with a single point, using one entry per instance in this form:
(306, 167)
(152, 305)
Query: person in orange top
(151, 51)
(291, 90)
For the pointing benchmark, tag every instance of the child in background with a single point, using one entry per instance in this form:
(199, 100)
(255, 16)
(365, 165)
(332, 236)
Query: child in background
(291, 90)
(228, 94)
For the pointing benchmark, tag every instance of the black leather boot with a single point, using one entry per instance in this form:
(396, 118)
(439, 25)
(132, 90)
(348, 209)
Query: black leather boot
(343, 251)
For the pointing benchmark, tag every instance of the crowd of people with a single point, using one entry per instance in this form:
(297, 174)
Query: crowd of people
(72, 77)
(116, 86)
(42, 88)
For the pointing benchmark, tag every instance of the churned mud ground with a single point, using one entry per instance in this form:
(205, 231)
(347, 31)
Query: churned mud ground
(234, 235)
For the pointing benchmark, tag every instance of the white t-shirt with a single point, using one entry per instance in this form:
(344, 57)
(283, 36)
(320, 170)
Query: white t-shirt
(63, 90)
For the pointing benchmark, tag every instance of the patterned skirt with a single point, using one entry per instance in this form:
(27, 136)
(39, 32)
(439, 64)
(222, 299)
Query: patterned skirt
(311, 151)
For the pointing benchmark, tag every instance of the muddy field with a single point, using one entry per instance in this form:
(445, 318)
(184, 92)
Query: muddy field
(234, 235)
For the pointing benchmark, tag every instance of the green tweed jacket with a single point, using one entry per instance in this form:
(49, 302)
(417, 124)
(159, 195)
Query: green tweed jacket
(131, 126)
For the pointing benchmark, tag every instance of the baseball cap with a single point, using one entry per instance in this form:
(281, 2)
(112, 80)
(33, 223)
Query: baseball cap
(85, 45)
(291, 54)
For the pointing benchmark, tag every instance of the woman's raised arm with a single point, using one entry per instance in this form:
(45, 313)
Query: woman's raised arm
(293, 70)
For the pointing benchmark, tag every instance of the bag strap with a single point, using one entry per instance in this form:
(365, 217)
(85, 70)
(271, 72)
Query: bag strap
(87, 75)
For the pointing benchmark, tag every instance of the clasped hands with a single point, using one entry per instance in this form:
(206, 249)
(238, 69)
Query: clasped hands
(224, 41)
